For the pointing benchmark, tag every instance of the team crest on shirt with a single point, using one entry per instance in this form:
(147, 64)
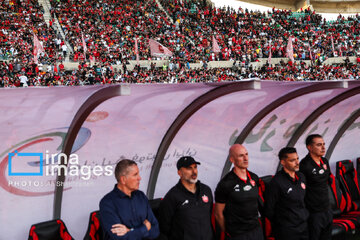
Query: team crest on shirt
(247, 188)
(252, 182)
(321, 171)
(205, 198)
(324, 166)
(303, 185)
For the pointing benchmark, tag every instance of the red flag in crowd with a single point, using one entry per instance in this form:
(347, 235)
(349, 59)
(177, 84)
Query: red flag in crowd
(270, 53)
(158, 50)
(332, 45)
(38, 48)
(215, 45)
(290, 50)
(136, 51)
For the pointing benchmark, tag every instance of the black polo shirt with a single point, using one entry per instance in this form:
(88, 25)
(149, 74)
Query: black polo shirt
(184, 215)
(241, 199)
(284, 201)
(317, 178)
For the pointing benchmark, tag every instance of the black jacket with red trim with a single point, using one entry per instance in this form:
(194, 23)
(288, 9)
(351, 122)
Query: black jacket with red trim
(284, 201)
(184, 215)
(317, 179)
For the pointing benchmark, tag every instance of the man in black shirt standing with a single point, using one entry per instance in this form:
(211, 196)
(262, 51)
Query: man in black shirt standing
(185, 211)
(236, 199)
(284, 199)
(317, 171)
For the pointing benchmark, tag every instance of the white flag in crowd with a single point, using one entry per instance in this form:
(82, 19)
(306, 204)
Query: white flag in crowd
(332, 45)
(38, 48)
(270, 53)
(215, 45)
(158, 50)
(136, 51)
(83, 43)
(290, 50)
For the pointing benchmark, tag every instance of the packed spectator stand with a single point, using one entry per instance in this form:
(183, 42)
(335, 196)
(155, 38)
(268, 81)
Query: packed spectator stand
(20, 19)
(109, 29)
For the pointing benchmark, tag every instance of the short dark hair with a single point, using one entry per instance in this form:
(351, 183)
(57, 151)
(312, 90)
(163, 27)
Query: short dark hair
(310, 138)
(285, 151)
(122, 166)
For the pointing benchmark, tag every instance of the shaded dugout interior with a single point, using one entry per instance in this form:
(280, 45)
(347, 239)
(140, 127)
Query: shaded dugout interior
(155, 125)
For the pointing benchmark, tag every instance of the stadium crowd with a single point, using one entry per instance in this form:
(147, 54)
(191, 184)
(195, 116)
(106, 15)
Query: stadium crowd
(110, 37)
(19, 20)
(15, 75)
(243, 33)
(109, 29)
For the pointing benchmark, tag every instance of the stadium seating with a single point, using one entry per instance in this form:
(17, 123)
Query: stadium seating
(358, 166)
(94, 231)
(266, 224)
(343, 221)
(54, 230)
(155, 204)
(348, 178)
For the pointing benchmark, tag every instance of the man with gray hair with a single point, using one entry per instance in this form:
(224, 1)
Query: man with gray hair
(125, 212)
